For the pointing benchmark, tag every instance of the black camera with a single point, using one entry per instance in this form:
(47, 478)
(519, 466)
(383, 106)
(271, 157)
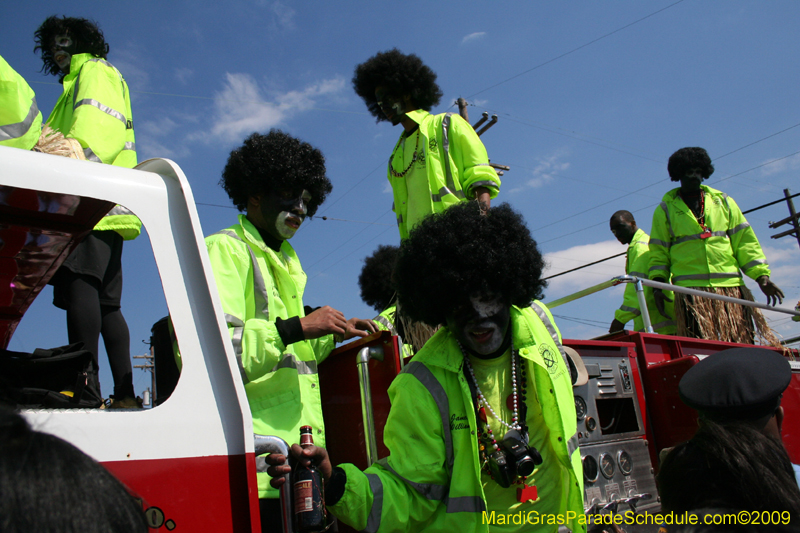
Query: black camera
(514, 458)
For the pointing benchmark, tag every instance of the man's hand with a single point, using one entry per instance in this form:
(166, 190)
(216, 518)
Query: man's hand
(359, 327)
(303, 456)
(323, 321)
(484, 198)
(616, 325)
(660, 298)
(774, 294)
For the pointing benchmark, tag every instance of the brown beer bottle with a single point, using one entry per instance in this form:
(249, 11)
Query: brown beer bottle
(308, 492)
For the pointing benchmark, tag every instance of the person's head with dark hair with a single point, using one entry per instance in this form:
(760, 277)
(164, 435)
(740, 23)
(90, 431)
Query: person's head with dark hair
(47, 484)
(689, 159)
(462, 261)
(732, 466)
(742, 385)
(278, 179)
(392, 83)
(375, 279)
(60, 38)
(623, 226)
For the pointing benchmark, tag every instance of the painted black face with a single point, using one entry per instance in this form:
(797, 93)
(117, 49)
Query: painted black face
(64, 47)
(622, 230)
(691, 180)
(283, 212)
(392, 106)
(481, 324)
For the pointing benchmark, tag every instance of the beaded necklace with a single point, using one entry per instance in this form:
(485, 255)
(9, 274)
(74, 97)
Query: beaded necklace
(516, 364)
(413, 158)
(701, 216)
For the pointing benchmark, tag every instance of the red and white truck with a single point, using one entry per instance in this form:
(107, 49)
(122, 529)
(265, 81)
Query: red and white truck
(191, 459)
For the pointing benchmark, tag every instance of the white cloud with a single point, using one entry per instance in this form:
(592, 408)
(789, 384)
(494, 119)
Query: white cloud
(128, 61)
(790, 163)
(183, 74)
(570, 258)
(156, 128)
(473, 37)
(284, 15)
(543, 173)
(240, 108)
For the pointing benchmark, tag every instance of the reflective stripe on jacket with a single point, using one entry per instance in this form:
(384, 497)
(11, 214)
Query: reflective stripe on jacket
(431, 480)
(636, 264)
(95, 109)
(256, 286)
(385, 322)
(677, 248)
(456, 163)
(20, 118)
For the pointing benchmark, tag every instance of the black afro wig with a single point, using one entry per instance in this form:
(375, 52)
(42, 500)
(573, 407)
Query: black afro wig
(399, 73)
(686, 159)
(87, 36)
(452, 255)
(375, 280)
(275, 162)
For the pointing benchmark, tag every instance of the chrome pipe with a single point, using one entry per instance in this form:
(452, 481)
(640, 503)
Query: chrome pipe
(271, 444)
(648, 326)
(362, 359)
(667, 287)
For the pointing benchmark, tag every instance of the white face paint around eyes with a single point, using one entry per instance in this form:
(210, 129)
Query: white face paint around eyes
(486, 308)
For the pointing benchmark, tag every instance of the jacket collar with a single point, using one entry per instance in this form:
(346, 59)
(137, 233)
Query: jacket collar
(254, 237)
(442, 349)
(673, 194)
(75, 65)
(418, 115)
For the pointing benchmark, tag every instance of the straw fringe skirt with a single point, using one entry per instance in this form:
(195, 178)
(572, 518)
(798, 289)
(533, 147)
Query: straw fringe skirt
(414, 333)
(705, 318)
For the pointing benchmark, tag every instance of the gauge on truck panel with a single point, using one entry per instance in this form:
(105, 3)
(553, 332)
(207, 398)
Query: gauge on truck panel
(590, 468)
(607, 465)
(625, 462)
(580, 407)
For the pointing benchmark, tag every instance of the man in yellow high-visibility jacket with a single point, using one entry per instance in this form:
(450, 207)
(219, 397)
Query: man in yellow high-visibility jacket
(494, 375)
(637, 260)
(95, 110)
(277, 180)
(439, 160)
(701, 239)
(20, 118)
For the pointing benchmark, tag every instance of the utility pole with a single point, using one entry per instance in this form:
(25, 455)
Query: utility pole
(462, 110)
(791, 219)
(148, 367)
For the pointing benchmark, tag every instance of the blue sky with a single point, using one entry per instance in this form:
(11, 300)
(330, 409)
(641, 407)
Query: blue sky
(592, 98)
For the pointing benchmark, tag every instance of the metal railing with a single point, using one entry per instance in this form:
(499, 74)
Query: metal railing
(641, 283)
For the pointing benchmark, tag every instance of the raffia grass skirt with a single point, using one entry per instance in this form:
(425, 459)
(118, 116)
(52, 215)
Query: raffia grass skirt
(54, 143)
(414, 333)
(717, 320)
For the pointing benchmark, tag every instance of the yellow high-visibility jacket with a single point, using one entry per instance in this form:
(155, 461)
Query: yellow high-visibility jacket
(678, 249)
(456, 163)
(636, 264)
(95, 109)
(256, 286)
(431, 480)
(20, 118)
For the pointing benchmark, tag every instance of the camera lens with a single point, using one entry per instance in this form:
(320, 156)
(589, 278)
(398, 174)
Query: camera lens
(525, 466)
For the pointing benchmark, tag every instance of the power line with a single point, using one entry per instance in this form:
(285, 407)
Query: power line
(576, 135)
(345, 242)
(576, 49)
(758, 141)
(370, 173)
(584, 266)
(653, 205)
